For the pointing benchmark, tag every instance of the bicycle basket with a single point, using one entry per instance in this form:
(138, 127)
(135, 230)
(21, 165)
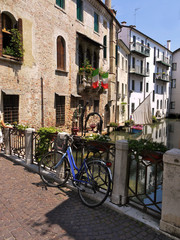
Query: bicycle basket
(61, 141)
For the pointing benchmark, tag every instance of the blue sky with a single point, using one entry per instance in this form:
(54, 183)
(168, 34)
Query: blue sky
(159, 19)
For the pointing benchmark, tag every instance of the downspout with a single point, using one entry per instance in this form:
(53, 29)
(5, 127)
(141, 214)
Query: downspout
(117, 32)
(42, 103)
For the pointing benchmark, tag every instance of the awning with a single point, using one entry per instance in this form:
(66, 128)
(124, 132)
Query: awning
(76, 95)
(12, 91)
(87, 39)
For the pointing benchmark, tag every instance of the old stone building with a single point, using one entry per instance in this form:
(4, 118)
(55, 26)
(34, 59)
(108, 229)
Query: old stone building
(42, 86)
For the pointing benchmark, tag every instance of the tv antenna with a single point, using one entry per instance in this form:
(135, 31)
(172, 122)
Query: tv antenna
(135, 10)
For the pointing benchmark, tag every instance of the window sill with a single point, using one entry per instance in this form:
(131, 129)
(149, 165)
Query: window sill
(8, 58)
(97, 33)
(58, 7)
(82, 23)
(61, 71)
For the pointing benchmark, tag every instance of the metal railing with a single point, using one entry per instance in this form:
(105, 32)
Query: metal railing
(145, 182)
(140, 71)
(140, 48)
(17, 143)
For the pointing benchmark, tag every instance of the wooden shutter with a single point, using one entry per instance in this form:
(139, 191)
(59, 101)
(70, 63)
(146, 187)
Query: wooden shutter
(1, 36)
(105, 46)
(20, 29)
(60, 53)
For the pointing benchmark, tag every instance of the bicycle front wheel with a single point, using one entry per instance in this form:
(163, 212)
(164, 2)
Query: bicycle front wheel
(54, 177)
(94, 183)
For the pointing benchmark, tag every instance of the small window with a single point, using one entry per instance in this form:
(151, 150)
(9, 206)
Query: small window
(133, 62)
(157, 104)
(122, 62)
(173, 83)
(133, 84)
(80, 10)
(157, 88)
(96, 22)
(174, 66)
(105, 47)
(172, 105)
(60, 110)
(134, 41)
(147, 87)
(141, 86)
(161, 104)
(11, 108)
(61, 54)
(126, 66)
(60, 3)
(153, 96)
(162, 89)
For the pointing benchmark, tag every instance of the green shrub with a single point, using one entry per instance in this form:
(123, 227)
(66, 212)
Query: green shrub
(129, 123)
(113, 124)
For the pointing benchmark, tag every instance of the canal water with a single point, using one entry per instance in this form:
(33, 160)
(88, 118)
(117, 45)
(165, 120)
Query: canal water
(167, 131)
(149, 184)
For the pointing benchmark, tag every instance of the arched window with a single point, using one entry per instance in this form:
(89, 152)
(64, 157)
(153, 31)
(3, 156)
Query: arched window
(105, 47)
(11, 41)
(61, 53)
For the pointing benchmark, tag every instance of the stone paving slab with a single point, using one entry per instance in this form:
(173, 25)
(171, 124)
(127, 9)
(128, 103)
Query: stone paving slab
(29, 211)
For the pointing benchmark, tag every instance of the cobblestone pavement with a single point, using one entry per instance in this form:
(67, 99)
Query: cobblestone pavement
(29, 211)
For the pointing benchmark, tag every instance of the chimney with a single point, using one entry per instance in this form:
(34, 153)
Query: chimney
(169, 44)
(108, 3)
(123, 23)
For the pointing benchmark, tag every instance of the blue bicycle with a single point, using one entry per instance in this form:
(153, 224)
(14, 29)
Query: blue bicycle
(93, 178)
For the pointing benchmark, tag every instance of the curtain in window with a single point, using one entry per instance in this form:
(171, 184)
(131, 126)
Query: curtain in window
(60, 53)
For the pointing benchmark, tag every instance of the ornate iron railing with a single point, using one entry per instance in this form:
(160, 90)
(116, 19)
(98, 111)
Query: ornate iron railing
(145, 181)
(17, 142)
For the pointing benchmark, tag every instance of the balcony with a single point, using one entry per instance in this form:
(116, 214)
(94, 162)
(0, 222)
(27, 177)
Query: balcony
(164, 60)
(140, 71)
(162, 77)
(140, 49)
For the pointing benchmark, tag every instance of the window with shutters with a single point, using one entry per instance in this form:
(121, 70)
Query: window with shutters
(96, 22)
(61, 53)
(11, 40)
(60, 3)
(80, 10)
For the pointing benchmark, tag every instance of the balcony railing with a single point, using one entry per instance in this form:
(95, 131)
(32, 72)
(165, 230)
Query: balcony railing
(140, 71)
(165, 61)
(140, 49)
(162, 77)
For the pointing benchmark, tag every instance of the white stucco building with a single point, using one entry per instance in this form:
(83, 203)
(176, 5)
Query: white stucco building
(175, 84)
(149, 70)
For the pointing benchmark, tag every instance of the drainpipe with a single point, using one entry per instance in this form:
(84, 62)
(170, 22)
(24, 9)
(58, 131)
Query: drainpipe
(42, 104)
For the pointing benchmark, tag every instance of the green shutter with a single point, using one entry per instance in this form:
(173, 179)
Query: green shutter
(96, 23)
(60, 3)
(79, 10)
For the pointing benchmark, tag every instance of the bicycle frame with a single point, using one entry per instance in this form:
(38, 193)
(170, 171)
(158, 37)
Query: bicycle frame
(73, 166)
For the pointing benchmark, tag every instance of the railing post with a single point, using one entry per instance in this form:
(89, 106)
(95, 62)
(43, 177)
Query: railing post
(7, 141)
(120, 178)
(28, 145)
(170, 216)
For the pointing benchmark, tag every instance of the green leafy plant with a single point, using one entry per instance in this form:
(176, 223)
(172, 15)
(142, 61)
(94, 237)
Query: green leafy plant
(129, 123)
(113, 124)
(154, 119)
(46, 137)
(21, 126)
(86, 67)
(15, 47)
(138, 147)
(98, 137)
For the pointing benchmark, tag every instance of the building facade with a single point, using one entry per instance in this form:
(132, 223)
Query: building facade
(43, 86)
(149, 71)
(175, 84)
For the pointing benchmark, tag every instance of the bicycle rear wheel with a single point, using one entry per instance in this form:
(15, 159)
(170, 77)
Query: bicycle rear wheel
(50, 176)
(94, 183)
